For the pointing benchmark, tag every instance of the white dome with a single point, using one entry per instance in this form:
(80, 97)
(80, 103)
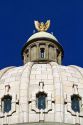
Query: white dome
(58, 82)
(42, 34)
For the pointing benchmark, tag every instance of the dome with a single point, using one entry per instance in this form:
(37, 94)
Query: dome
(56, 83)
(42, 91)
(42, 35)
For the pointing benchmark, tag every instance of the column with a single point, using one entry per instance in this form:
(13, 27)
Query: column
(46, 49)
(55, 55)
(37, 44)
(60, 58)
(29, 58)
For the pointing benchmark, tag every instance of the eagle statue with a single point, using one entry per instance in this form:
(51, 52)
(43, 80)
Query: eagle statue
(40, 26)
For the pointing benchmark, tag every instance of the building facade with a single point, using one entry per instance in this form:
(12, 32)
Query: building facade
(42, 91)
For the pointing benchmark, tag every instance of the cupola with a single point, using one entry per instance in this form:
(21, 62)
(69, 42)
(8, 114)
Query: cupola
(42, 46)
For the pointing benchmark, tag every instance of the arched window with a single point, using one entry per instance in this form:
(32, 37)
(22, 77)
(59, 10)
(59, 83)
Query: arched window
(42, 52)
(75, 103)
(41, 100)
(6, 103)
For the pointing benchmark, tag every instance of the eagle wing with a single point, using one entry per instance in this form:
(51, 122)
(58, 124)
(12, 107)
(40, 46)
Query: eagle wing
(47, 25)
(37, 25)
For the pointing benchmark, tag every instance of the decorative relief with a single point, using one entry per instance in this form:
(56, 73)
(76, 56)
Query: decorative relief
(41, 102)
(7, 88)
(75, 89)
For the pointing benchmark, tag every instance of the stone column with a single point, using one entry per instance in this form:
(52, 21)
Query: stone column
(24, 58)
(60, 58)
(29, 54)
(55, 55)
(37, 44)
(46, 48)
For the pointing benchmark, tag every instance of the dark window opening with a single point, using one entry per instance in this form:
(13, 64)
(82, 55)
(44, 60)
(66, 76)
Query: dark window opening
(75, 103)
(41, 100)
(6, 103)
(42, 52)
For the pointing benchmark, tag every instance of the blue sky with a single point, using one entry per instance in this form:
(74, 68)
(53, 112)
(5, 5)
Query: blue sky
(17, 25)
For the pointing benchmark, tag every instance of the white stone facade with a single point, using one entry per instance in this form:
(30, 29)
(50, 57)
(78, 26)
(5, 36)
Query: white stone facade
(58, 82)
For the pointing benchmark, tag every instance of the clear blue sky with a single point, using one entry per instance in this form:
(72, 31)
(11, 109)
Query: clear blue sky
(16, 26)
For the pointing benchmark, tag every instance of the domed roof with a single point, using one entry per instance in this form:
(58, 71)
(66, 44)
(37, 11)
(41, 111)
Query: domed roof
(42, 35)
(42, 78)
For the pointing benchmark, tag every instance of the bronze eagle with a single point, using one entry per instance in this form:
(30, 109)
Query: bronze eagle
(40, 26)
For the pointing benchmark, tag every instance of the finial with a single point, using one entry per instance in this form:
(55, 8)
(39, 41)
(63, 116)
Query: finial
(40, 26)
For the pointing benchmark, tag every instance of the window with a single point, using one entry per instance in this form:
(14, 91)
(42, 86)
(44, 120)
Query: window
(42, 52)
(75, 103)
(6, 103)
(41, 100)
